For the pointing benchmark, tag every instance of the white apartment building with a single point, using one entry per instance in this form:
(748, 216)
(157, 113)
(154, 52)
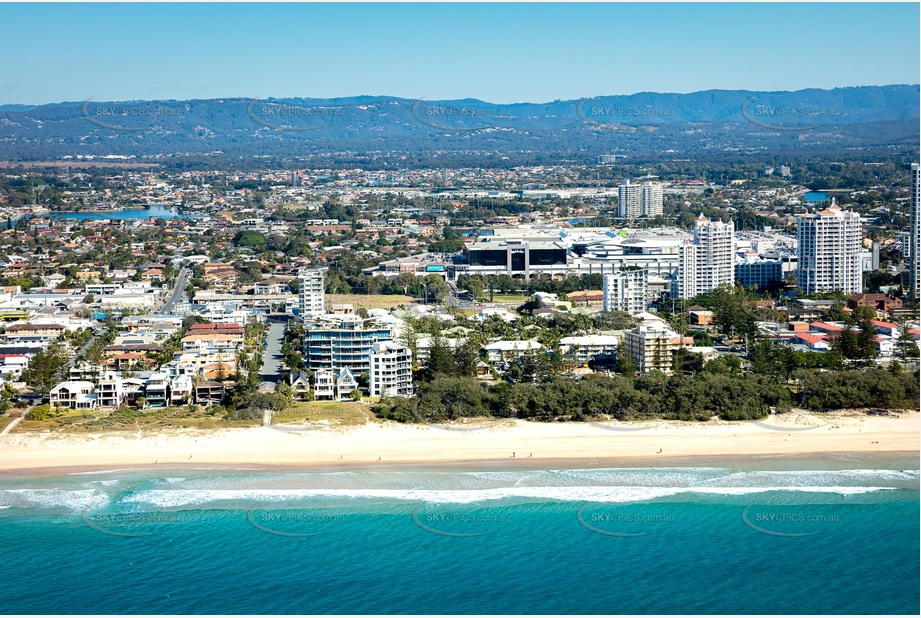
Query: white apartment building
(914, 233)
(650, 345)
(708, 260)
(829, 251)
(110, 391)
(625, 291)
(310, 291)
(582, 349)
(651, 199)
(391, 372)
(629, 200)
(639, 200)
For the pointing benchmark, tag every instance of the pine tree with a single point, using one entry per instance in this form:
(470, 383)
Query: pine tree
(441, 359)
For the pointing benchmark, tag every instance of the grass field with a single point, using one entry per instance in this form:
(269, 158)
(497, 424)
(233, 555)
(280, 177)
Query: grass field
(335, 412)
(371, 301)
(507, 299)
(339, 413)
(5, 420)
(91, 421)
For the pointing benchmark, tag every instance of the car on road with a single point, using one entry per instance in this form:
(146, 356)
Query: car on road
(33, 397)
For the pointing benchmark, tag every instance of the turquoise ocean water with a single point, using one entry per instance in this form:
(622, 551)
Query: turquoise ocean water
(724, 539)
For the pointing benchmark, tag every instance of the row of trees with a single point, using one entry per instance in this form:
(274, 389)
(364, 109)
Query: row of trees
(478, 285)
(730, 396)
(247, 401)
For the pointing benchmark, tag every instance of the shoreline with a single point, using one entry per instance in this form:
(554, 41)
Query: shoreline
(516, 445)
(770, 461)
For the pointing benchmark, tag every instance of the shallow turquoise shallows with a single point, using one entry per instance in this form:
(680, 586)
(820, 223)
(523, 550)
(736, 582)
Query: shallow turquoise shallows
(727, 540)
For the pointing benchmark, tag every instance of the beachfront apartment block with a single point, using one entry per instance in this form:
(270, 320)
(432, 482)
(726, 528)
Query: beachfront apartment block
(500, 353)
(157, 391)
(828, 251)
(343, 341)
(625, 291)
(391, 372)
(914, 233)
(708, 260)
(110, 391)
(310, 291)
(651, 344)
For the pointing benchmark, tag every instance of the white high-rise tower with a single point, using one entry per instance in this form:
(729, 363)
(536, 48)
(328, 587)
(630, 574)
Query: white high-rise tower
(651, 199)
(709, 260)
(829, 251)
(310, 289)
(629, 200)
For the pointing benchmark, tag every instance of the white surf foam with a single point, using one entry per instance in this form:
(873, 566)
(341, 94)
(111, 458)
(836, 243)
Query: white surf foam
(186, 498)
(76, 500)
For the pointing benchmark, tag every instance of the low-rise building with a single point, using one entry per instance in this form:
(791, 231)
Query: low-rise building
(505, 351)
(76, 395)
(583, 349)
(324, 385)
(886, 303)
(110, 391)
(156, 391)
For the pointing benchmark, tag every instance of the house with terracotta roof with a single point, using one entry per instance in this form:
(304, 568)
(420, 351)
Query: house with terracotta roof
(825, 327)
(886, 328)
(813, 341)
(587, 298)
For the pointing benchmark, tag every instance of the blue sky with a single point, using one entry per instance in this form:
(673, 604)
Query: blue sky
(496, 52)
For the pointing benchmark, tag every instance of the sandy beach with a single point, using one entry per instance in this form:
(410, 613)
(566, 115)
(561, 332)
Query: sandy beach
(389, 443)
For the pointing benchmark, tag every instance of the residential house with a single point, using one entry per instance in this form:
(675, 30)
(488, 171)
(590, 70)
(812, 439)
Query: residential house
(324, 385)
(346, 383)
(300, 385)
(76, 395)
(156, 391)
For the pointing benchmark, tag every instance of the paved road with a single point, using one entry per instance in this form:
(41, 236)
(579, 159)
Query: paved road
(178, 294)
(271, 356)
(453, 299)
(72, 361)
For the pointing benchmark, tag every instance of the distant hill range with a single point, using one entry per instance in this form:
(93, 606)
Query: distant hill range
(714, 121)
